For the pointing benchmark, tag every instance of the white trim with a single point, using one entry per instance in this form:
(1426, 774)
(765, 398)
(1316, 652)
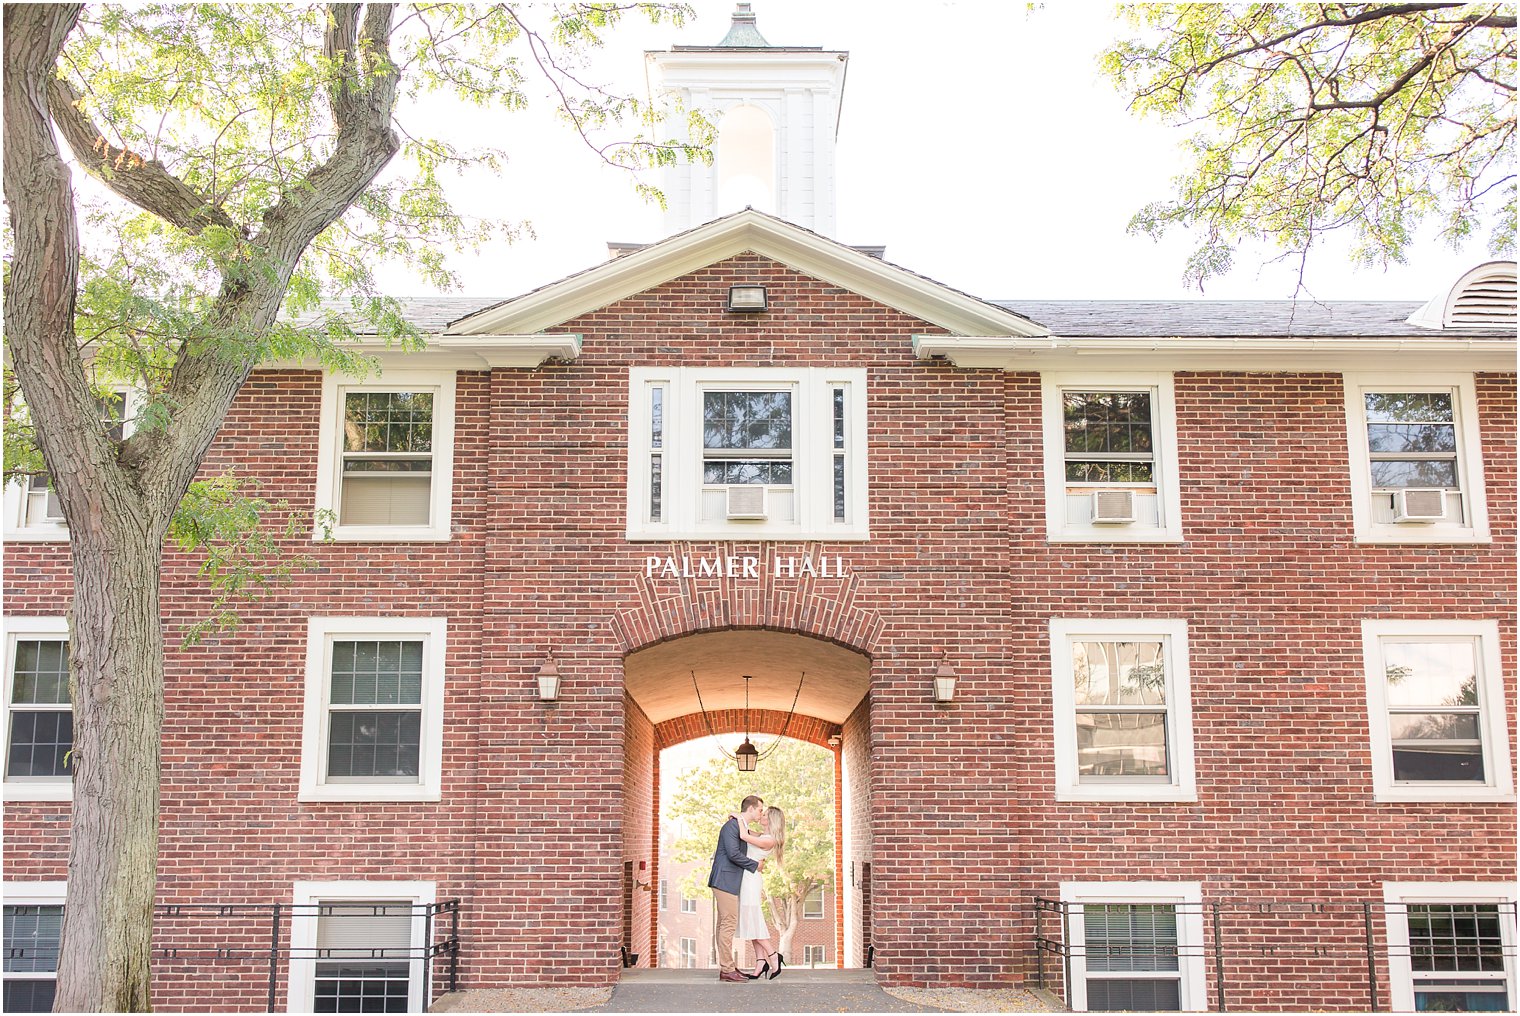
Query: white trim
(812, 454)
(1469, 457)
(1193, 994)
(1493, 711)
(303, 932)
(33, 894)
(1400, 970)
(1163, 436)
(320, 634)
(1179, 708)
(1436, 312)
(442, 383)
(16, 628)
(768, 236)
(456, 352)
(1265, 354)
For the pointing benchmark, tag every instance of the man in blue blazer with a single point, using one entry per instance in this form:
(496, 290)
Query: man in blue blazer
(730, 862)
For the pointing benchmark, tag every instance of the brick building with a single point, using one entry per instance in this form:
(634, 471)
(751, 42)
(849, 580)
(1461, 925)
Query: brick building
(1166, 649)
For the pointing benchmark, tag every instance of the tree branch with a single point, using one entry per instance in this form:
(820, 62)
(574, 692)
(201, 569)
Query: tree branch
(147, 184)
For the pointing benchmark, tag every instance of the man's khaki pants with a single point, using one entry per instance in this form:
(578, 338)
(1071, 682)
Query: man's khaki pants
(728, 923)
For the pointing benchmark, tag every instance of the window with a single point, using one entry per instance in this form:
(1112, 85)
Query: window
(688, 953)
(33, 512)
(33, 923)
(358, 946)
(688, 904)
(664, 893)
(386, 463)
(1451, 946)
(39, 720)
(729, 453)
(374, 709)
(812, 904)
(1136, 946)
(1435, 702)
(1416, 462)
(1122, 710)
(1111, 458)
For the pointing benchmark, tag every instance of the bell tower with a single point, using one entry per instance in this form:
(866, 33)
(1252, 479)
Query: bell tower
(776, 109)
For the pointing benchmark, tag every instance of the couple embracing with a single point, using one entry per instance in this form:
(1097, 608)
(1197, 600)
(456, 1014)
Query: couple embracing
(735, 882)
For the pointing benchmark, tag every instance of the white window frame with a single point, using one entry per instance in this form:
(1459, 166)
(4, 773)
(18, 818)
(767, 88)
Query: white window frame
(1164, 457)
(688, 899)
(1172, 633)
(442, 384)
(812, 453)
(19, 629)
(808, 899)
(303, 932)
(1187, 896)
(1492, 711)
(686, 957)
(34, 894)
(813, 955)
(321, 632)
(1397, 895)
(1469, 459)
(16, 528)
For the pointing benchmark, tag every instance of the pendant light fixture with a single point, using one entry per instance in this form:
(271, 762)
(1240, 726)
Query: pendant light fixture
(747, 756)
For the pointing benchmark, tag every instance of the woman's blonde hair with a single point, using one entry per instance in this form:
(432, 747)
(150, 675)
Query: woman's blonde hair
(775, 824)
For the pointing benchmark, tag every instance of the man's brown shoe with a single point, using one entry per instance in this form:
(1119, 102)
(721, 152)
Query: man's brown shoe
(732, 975)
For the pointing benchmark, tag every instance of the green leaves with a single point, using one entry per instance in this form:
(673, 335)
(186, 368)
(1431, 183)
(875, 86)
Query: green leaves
(1314, 119)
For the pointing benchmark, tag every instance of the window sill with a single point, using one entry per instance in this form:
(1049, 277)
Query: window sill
(38, 792)
(1115, 794)
(1428, 535)
(1114, 536)
(383, 535)
(369, 794)
(1412, 795)
(37, 536)
(736, 534)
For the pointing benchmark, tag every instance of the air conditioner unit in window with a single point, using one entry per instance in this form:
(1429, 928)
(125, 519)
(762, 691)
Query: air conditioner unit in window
(1419, 504)
(746, 501)
(1113, 507)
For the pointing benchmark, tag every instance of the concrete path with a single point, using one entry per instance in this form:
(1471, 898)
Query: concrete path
(820, 991)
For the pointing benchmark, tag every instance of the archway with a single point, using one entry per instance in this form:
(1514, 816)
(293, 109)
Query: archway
(662, 684)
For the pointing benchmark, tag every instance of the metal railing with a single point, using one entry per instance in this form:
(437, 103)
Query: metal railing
(1231, 938)
(228, 935)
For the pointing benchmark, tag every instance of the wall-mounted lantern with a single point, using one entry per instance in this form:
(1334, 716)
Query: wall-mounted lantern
(548, 681)
(944, 681)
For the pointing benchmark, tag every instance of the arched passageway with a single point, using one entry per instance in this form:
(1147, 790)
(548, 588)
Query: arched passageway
(692, 686)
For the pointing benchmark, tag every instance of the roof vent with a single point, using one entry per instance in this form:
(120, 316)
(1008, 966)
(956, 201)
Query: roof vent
(1484, 298)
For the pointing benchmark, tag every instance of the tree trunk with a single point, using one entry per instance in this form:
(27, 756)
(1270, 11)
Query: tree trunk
(116, 666)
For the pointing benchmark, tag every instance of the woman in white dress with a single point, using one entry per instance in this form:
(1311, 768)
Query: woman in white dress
(752, 926)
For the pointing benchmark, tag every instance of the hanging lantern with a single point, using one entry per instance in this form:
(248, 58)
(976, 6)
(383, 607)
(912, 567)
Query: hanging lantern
(747, 755)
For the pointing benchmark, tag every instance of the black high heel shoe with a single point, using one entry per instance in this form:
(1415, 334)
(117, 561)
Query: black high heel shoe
(780, 962)
(755, 977)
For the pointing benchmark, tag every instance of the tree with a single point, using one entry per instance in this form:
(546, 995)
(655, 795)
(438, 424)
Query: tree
(241, 149)
(798, 778)
(1320, 118)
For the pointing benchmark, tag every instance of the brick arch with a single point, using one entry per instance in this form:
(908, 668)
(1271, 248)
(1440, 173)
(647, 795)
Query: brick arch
(770, 722)
(823, 608)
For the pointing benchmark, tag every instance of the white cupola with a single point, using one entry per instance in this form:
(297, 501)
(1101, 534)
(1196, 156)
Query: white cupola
(776, 109)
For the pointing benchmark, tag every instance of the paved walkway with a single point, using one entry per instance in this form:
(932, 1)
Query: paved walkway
(820, 991)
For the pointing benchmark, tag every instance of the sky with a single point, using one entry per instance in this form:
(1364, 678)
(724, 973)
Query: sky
(978, 141)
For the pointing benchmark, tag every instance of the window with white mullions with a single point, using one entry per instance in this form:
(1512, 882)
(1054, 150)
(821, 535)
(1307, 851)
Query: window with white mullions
(1109, 439)
(375, 717)
(387, 458)
(1456, 957)
(41, 717)
(1132, 957)
(747, 438)
(31, 956)
(841, 502)
(1412, 439)
(363, 957)
(1121, 711)
(688, 950)
(656, 452)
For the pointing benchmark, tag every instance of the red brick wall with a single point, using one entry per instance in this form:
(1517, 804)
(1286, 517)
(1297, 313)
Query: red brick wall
(640, 808)
(967, 833)
(855, 751)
